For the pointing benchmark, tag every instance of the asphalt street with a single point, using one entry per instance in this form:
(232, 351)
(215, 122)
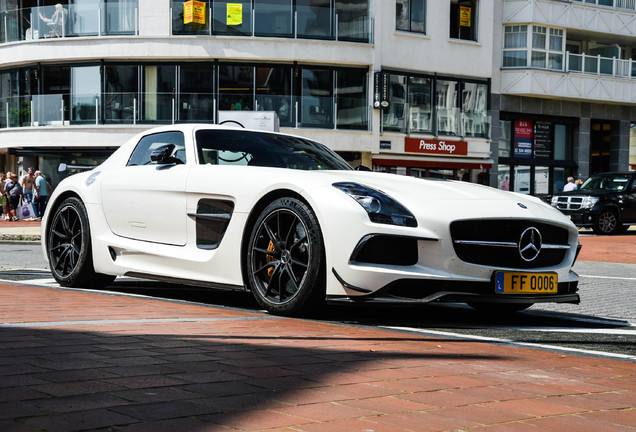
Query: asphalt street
(603, 324)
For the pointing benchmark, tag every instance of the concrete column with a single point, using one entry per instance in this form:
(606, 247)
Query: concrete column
(619, 150)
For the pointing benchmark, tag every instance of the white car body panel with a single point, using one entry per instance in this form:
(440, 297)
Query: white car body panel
(142, 216)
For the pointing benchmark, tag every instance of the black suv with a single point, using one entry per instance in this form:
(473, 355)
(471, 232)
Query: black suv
(606, 202)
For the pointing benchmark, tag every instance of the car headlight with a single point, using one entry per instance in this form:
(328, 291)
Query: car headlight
(380, 207)
(589, 202)
(554, 201)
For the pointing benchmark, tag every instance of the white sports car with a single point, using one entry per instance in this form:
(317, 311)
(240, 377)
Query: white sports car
(289, 220)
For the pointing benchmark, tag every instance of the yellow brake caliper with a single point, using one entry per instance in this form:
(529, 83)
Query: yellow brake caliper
(270, 258)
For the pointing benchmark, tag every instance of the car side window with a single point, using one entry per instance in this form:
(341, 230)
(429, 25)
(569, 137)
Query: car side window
(141, 154)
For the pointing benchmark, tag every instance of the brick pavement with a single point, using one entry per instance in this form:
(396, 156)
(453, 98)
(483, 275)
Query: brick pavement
(72, 361)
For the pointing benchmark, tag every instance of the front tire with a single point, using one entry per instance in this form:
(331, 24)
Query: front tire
(285, 258)
(607, 222)
(69, 247)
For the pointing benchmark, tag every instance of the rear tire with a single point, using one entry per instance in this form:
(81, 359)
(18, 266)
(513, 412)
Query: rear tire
(285, 258)
(69, 247)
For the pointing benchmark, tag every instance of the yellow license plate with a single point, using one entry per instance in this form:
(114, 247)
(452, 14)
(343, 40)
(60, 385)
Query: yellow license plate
(526, 283)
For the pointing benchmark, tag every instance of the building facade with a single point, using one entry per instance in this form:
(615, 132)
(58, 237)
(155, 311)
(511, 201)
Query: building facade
(79, 78)
(564, 94)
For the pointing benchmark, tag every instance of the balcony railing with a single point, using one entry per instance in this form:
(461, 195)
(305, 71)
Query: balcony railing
(121, 18)
(619, 4)
(277, 20)
(129, 108)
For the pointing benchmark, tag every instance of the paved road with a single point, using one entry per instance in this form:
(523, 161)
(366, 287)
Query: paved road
(605, 321)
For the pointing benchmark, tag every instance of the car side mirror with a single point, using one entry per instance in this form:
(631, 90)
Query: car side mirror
(163, 155)
(361, 168)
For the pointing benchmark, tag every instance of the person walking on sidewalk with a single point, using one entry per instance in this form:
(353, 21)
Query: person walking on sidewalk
(13, 189)
(42, 192)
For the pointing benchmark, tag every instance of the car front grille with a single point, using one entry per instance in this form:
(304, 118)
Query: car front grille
(569, 202)
(495, 243)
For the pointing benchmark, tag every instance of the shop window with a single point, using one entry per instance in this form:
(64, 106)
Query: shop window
(232, 17)
(120, 97)
(522, 179)
(353, 20)
(85, 94)
(195, 96)
(446, 107)
(420, 109)
(541, 180)
(393, 118)
(351, 99)
(463, 19)
(273, 92)
(505, 138)
(314, 19)
(158, 94)
(562, 142)
(410, 15)
(236, 88)
(600, 145)
(317, 98)
(475, 120)
(273, 18)
(504, 177)
(180, 27)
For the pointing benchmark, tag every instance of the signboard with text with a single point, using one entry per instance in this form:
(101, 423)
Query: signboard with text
(524, 138)
(543, 142)
(437, 147)
(194, 12)
(464, 16)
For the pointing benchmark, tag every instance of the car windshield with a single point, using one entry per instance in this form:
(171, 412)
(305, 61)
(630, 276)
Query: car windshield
(615, 182)
(237, 147)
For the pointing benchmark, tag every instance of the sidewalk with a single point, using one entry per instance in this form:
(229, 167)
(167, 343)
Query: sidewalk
(86, 361)
(80, 361)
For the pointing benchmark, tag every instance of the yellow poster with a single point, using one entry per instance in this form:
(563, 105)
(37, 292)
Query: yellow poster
(464, 16)
(194, 12)
(234, 13)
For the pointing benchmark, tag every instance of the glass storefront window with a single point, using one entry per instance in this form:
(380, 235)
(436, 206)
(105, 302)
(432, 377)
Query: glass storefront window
(541, 180)
(158, 93)
(273, 92)
(503, 177)
(632, 146)
(420, 109)
(232, 17)
(196, 97)
(351, 99)
(562, 142)
(236, 88)
(353, 20)
(315, 19)
(522, 179)
(119, 17)
(475, 118)
(559, 179)
(446, 107)
(181, 28)
(393, 118)
(120, 96)
(317, 98)
(273, 18)
(505, 138)
(85, 94)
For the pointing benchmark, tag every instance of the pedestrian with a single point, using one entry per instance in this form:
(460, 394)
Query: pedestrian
(42, 192)
(13, 189)
(570, 186)
(3, 198)
(579, 183)
(28, 185)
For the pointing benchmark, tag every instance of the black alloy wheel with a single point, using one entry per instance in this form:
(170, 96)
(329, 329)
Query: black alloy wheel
(285, 258)
(69, 247)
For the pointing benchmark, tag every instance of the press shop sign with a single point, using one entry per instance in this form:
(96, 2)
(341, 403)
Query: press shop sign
(441, 147)
(194, 12)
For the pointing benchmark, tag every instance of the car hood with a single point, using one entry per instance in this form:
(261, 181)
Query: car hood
(455, 199)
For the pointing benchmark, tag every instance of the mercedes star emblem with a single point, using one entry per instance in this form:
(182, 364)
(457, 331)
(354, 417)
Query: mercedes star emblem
(530, 244)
